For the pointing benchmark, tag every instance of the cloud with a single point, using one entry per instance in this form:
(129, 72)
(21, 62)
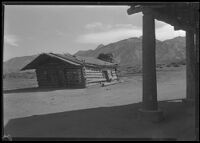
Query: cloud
(110, 36)
(159, 24)
(93, 25)
(116, 32)
(167, 32)
(11, 40)
(105, 27)
(59, 33)
(98, 33)
(125, 26)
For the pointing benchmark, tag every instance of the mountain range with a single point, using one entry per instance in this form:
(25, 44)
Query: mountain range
(127, 53)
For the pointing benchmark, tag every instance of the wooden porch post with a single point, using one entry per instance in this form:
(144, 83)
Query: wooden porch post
(149, 108)
(197, 84)
(190, 66)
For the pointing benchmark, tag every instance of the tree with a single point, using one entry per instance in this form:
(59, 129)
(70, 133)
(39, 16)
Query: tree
(106, 57)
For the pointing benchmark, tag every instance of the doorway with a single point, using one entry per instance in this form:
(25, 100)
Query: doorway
(105, 73)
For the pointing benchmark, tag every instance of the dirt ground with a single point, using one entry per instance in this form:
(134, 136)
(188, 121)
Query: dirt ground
(117, 122)
(100, 112)
(171, 84)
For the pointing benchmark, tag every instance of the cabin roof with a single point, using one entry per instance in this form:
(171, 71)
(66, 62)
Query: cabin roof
(74, 60)
(94, 61)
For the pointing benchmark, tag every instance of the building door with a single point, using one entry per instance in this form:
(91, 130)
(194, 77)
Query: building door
(106, 75)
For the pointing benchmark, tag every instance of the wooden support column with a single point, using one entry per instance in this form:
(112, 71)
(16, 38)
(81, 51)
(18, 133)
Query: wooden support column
(149, 67)
(149, 108)
(197, 85)
(190, 66)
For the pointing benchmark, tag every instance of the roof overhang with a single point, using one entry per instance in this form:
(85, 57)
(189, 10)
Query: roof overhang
(183, 16)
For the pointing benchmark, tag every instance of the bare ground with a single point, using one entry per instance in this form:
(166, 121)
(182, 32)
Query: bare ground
(112, 121)
(108, 122)
(171, 85)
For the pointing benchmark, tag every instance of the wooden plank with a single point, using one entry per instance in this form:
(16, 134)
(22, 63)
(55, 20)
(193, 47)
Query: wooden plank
(96, 79)
(133, 10)
(109, 83)
(94, 75)
(91, 84)
(89, 77)
(91, 81)
(93, 72)
(139, 8)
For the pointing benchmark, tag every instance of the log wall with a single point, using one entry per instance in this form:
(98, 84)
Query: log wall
(60, 75)
(95, 76)
(55, 74)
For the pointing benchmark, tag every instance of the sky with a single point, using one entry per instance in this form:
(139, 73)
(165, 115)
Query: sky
(30, 30)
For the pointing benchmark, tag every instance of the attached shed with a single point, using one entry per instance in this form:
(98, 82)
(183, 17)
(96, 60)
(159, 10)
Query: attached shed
(67, 71)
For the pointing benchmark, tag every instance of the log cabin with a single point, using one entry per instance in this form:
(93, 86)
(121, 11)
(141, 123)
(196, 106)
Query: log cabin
(67, 71)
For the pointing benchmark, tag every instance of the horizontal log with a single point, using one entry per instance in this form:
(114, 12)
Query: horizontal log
(91, 84)
(93, 77)
(87, 70)
(98, 71)
(42, 79)
(93, 72)
(74, 81)
(100, 80)
(109, 83)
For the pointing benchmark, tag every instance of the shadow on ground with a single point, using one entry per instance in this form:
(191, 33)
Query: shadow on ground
(108, 122)
(36, 89)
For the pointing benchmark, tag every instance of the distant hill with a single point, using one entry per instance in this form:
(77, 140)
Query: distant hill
(127, 53)
(15, 64)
